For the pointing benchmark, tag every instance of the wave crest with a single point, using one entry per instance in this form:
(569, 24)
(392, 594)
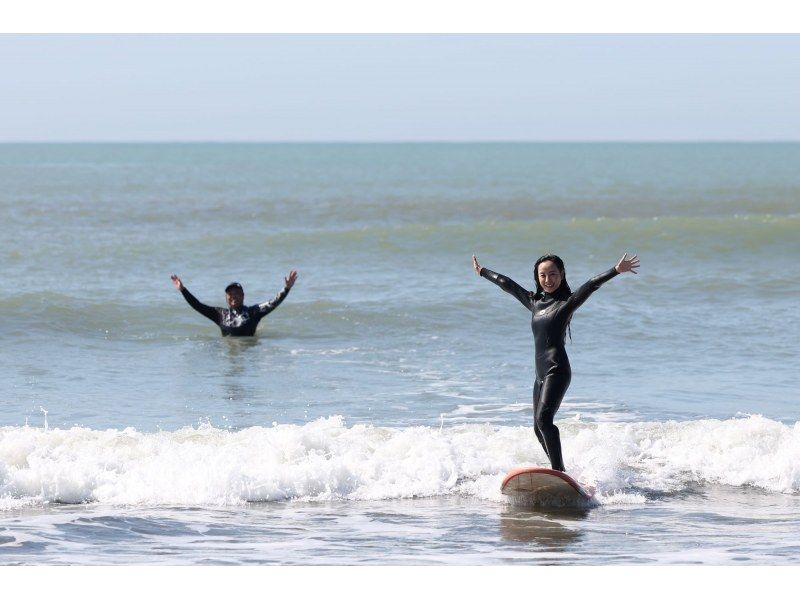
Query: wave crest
(327, 460)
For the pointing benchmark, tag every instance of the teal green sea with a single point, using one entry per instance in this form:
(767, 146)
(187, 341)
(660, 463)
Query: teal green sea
(382, 402)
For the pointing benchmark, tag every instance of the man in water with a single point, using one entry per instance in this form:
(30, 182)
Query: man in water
(238, 319)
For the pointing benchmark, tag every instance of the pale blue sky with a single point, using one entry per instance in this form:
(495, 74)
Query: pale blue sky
(399, 87)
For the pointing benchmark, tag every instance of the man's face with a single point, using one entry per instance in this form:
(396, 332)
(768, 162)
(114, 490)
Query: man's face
(235, 298)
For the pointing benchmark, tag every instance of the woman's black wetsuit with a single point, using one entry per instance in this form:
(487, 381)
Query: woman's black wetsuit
(551, 317)
(236, 322)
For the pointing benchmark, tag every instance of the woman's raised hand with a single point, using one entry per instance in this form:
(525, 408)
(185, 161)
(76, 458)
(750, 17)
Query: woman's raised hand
(476, 265)
(627, 264)
(290, 278)
(177, 282)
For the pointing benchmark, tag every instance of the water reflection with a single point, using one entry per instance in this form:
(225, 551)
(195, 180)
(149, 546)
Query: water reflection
(518, 524)
(236, 351)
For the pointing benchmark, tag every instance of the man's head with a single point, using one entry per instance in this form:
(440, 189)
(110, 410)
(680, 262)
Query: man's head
(234, 294)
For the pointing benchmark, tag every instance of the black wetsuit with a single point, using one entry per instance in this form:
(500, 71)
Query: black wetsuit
(236, 322)
(551, 316)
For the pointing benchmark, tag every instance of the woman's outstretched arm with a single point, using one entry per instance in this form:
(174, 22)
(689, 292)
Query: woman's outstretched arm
(578, 298)
(505, 283)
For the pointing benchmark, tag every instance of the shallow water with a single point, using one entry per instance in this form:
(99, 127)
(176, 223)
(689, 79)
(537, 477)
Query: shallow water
(754, 527)
(388, 395)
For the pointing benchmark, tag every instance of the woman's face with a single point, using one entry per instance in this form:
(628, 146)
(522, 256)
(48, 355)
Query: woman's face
(549, 276)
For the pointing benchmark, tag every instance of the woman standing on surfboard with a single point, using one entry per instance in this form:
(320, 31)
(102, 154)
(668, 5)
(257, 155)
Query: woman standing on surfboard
(552, 306)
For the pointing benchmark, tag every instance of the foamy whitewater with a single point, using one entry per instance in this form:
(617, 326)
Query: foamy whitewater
(375, 414)
(326, 460)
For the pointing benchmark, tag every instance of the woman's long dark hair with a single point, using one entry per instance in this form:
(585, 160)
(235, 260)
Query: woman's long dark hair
(562, 292)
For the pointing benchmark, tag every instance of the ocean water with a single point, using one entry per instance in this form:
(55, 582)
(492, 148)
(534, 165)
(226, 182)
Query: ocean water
(375, 414)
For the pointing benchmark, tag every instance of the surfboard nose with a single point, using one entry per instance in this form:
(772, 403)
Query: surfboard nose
(539, 485)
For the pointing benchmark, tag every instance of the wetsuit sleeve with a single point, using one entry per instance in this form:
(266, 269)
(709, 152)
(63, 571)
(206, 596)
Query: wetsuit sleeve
(268, 306)
(509, 286)
(212, 313)
(587, 288)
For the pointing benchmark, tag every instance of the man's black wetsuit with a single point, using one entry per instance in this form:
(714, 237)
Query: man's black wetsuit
(551, 317)
(236, 322)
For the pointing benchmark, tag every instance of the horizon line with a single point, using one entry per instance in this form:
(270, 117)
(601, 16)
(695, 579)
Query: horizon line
(377, 141)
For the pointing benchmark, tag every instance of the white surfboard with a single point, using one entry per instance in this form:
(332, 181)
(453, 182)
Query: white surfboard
(539, 486)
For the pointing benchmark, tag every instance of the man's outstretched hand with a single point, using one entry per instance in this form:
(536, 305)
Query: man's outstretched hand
(177, 282)
(289, 280)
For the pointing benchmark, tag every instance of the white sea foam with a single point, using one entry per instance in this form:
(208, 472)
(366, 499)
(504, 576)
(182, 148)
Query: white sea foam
(324, 351)
(499, 410)
(327, 460)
